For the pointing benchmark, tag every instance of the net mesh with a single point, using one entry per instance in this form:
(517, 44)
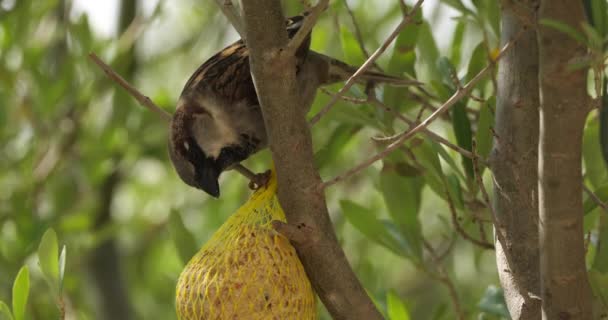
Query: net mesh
(247, 270)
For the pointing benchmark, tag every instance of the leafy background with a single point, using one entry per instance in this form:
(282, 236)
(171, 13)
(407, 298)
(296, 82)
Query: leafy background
(81, 157)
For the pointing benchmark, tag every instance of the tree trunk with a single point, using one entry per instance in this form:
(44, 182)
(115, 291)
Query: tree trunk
(514, 161)
(284, 100)
(565, 288)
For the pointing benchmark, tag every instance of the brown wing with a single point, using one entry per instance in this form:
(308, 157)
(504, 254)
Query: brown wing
(227, 73)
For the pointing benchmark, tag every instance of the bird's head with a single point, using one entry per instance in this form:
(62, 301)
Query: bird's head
(193, 166)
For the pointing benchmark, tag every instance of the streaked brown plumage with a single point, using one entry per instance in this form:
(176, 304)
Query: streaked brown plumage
(218, 122)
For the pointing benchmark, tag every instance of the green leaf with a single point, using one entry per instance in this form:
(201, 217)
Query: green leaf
(596, 11)
(484, 136)
(600, 262)
(458, 5)
(21, 289)
(5, 311)
(565, 28)
(62, 259)
(402, 61)
(448, 73)
(595, 39)
(350, 47)
(428, 54)
(464, 135)
(336, 143)
(595, 167)
(455, 190)
(448, 159)
(490, 11)
(404, 54)
(402, 196)
(396, 308)
(428, 158)
(599, 285)
(182, 238)
(493, 302)
(589, 203)
(365, 221)
(478, 61)
(603, 119)
(48, 254)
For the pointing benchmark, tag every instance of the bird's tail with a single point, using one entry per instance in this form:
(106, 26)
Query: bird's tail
(339, 71)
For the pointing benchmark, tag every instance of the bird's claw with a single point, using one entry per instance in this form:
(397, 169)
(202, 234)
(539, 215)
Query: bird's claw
(259, 180)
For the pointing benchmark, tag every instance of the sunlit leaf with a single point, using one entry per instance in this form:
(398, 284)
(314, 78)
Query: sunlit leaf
(599, 285)
(395, 307)
(458, 5)
(48, 255)
(603, 119)
(595, 167)
(21, 289)
(350, 47)
(62, 261)
(5, 311)
(590, 204)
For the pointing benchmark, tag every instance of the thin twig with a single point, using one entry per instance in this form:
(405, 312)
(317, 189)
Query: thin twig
(142, 99)
(408, 134)
(458, 227)
(432, 135)
(309, 22)
(358, 34)
(407, 19)
(443, 277)
(595, 198)
(233, 15)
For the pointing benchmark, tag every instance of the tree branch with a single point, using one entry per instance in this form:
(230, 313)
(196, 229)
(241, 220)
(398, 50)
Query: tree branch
(410, 133)
(514, 163)
(565, 289)
(407, 19)
(142, 99)
(233, 15)
(309, 22)
(285, 100)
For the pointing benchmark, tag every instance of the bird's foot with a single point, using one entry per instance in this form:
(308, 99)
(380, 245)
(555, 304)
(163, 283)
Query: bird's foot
(259, 180)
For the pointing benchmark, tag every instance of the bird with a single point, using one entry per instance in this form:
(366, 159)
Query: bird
(218, 121)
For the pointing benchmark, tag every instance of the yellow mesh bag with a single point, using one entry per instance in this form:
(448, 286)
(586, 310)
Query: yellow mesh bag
(247, 270)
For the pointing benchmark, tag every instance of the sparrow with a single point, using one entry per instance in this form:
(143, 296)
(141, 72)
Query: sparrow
(218, 121)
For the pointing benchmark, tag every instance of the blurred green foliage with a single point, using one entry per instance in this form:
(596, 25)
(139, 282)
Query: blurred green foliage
(78, 155)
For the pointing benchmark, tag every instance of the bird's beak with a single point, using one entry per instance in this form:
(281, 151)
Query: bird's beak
(206, 180)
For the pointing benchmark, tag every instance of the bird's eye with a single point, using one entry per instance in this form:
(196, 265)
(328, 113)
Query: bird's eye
(186, 145)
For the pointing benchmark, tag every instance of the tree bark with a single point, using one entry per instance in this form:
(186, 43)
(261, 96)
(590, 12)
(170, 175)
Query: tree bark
(565, 288)
(514, 161)
(284, 100)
